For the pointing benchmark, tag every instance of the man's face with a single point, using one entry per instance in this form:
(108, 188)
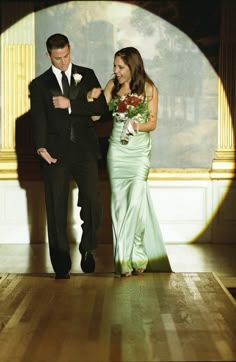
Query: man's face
(60, 58)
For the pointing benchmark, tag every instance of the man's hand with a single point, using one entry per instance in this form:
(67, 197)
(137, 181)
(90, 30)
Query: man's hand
(42, 152)
(61, 102)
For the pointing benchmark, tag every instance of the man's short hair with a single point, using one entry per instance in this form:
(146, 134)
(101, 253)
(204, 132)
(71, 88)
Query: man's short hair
(57, 41)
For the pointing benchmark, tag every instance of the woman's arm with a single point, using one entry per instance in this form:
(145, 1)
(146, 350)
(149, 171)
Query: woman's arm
(152, 97)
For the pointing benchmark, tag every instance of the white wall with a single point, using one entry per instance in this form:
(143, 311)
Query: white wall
(187, 211)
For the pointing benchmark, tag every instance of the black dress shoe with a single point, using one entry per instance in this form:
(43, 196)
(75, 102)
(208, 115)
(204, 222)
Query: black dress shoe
(87, 261)
(62, 276)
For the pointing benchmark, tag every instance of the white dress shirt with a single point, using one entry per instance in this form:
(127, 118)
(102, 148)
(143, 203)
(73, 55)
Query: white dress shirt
(58, 75)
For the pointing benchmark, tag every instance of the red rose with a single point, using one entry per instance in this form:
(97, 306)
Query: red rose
(134, 100)
(122, 106)
(128, 101)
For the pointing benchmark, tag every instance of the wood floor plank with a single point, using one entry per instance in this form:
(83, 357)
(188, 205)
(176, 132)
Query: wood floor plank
(101, 318)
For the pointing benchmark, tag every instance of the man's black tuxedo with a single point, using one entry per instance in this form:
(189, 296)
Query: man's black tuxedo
(51, 125)
(77, 157)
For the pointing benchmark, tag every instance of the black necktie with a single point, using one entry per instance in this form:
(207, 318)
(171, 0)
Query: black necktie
(65, 84)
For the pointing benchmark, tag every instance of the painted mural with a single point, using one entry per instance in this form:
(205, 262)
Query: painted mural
(186, 136)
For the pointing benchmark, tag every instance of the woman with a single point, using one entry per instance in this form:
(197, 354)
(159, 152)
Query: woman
(133, 99)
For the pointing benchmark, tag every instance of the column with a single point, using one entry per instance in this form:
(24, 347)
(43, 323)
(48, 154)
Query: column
(224, 160)
(17, 70)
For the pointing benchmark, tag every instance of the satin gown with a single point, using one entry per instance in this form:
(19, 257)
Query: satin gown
(137, 238)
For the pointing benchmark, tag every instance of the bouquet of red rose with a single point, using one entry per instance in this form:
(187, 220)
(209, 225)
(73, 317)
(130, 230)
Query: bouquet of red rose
(128, 109)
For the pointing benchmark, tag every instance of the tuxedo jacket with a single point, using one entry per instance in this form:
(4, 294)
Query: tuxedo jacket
(51, 126)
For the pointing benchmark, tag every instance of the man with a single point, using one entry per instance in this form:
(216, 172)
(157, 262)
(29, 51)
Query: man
(63, 99)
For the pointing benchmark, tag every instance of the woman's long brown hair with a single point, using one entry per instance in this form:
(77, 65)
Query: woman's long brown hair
(133, 59)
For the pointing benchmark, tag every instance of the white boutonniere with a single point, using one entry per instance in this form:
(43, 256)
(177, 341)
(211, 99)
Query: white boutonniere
(77, 78)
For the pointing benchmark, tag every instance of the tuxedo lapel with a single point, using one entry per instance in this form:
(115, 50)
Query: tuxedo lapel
(54, 87)
(75, 87)
(52, 83)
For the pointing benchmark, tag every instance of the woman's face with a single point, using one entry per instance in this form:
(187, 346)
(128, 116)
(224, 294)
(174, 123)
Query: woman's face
(121, 70)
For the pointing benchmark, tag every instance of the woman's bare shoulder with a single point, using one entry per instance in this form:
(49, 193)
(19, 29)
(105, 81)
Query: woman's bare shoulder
(151, 90)
(108, 90)
(110, 84)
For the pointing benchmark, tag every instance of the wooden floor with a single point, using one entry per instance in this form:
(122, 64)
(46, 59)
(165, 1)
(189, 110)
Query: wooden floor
(34, 259)
(153, 317)
(187, 315)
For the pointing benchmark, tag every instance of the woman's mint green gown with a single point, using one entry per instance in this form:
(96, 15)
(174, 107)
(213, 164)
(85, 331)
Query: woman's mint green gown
(137, 238)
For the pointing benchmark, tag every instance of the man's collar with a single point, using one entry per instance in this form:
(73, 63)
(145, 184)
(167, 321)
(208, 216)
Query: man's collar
(58, 71)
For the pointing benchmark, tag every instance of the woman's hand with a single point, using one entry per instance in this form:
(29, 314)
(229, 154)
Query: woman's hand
(95, 118)
(93, 94)
(135, 126)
